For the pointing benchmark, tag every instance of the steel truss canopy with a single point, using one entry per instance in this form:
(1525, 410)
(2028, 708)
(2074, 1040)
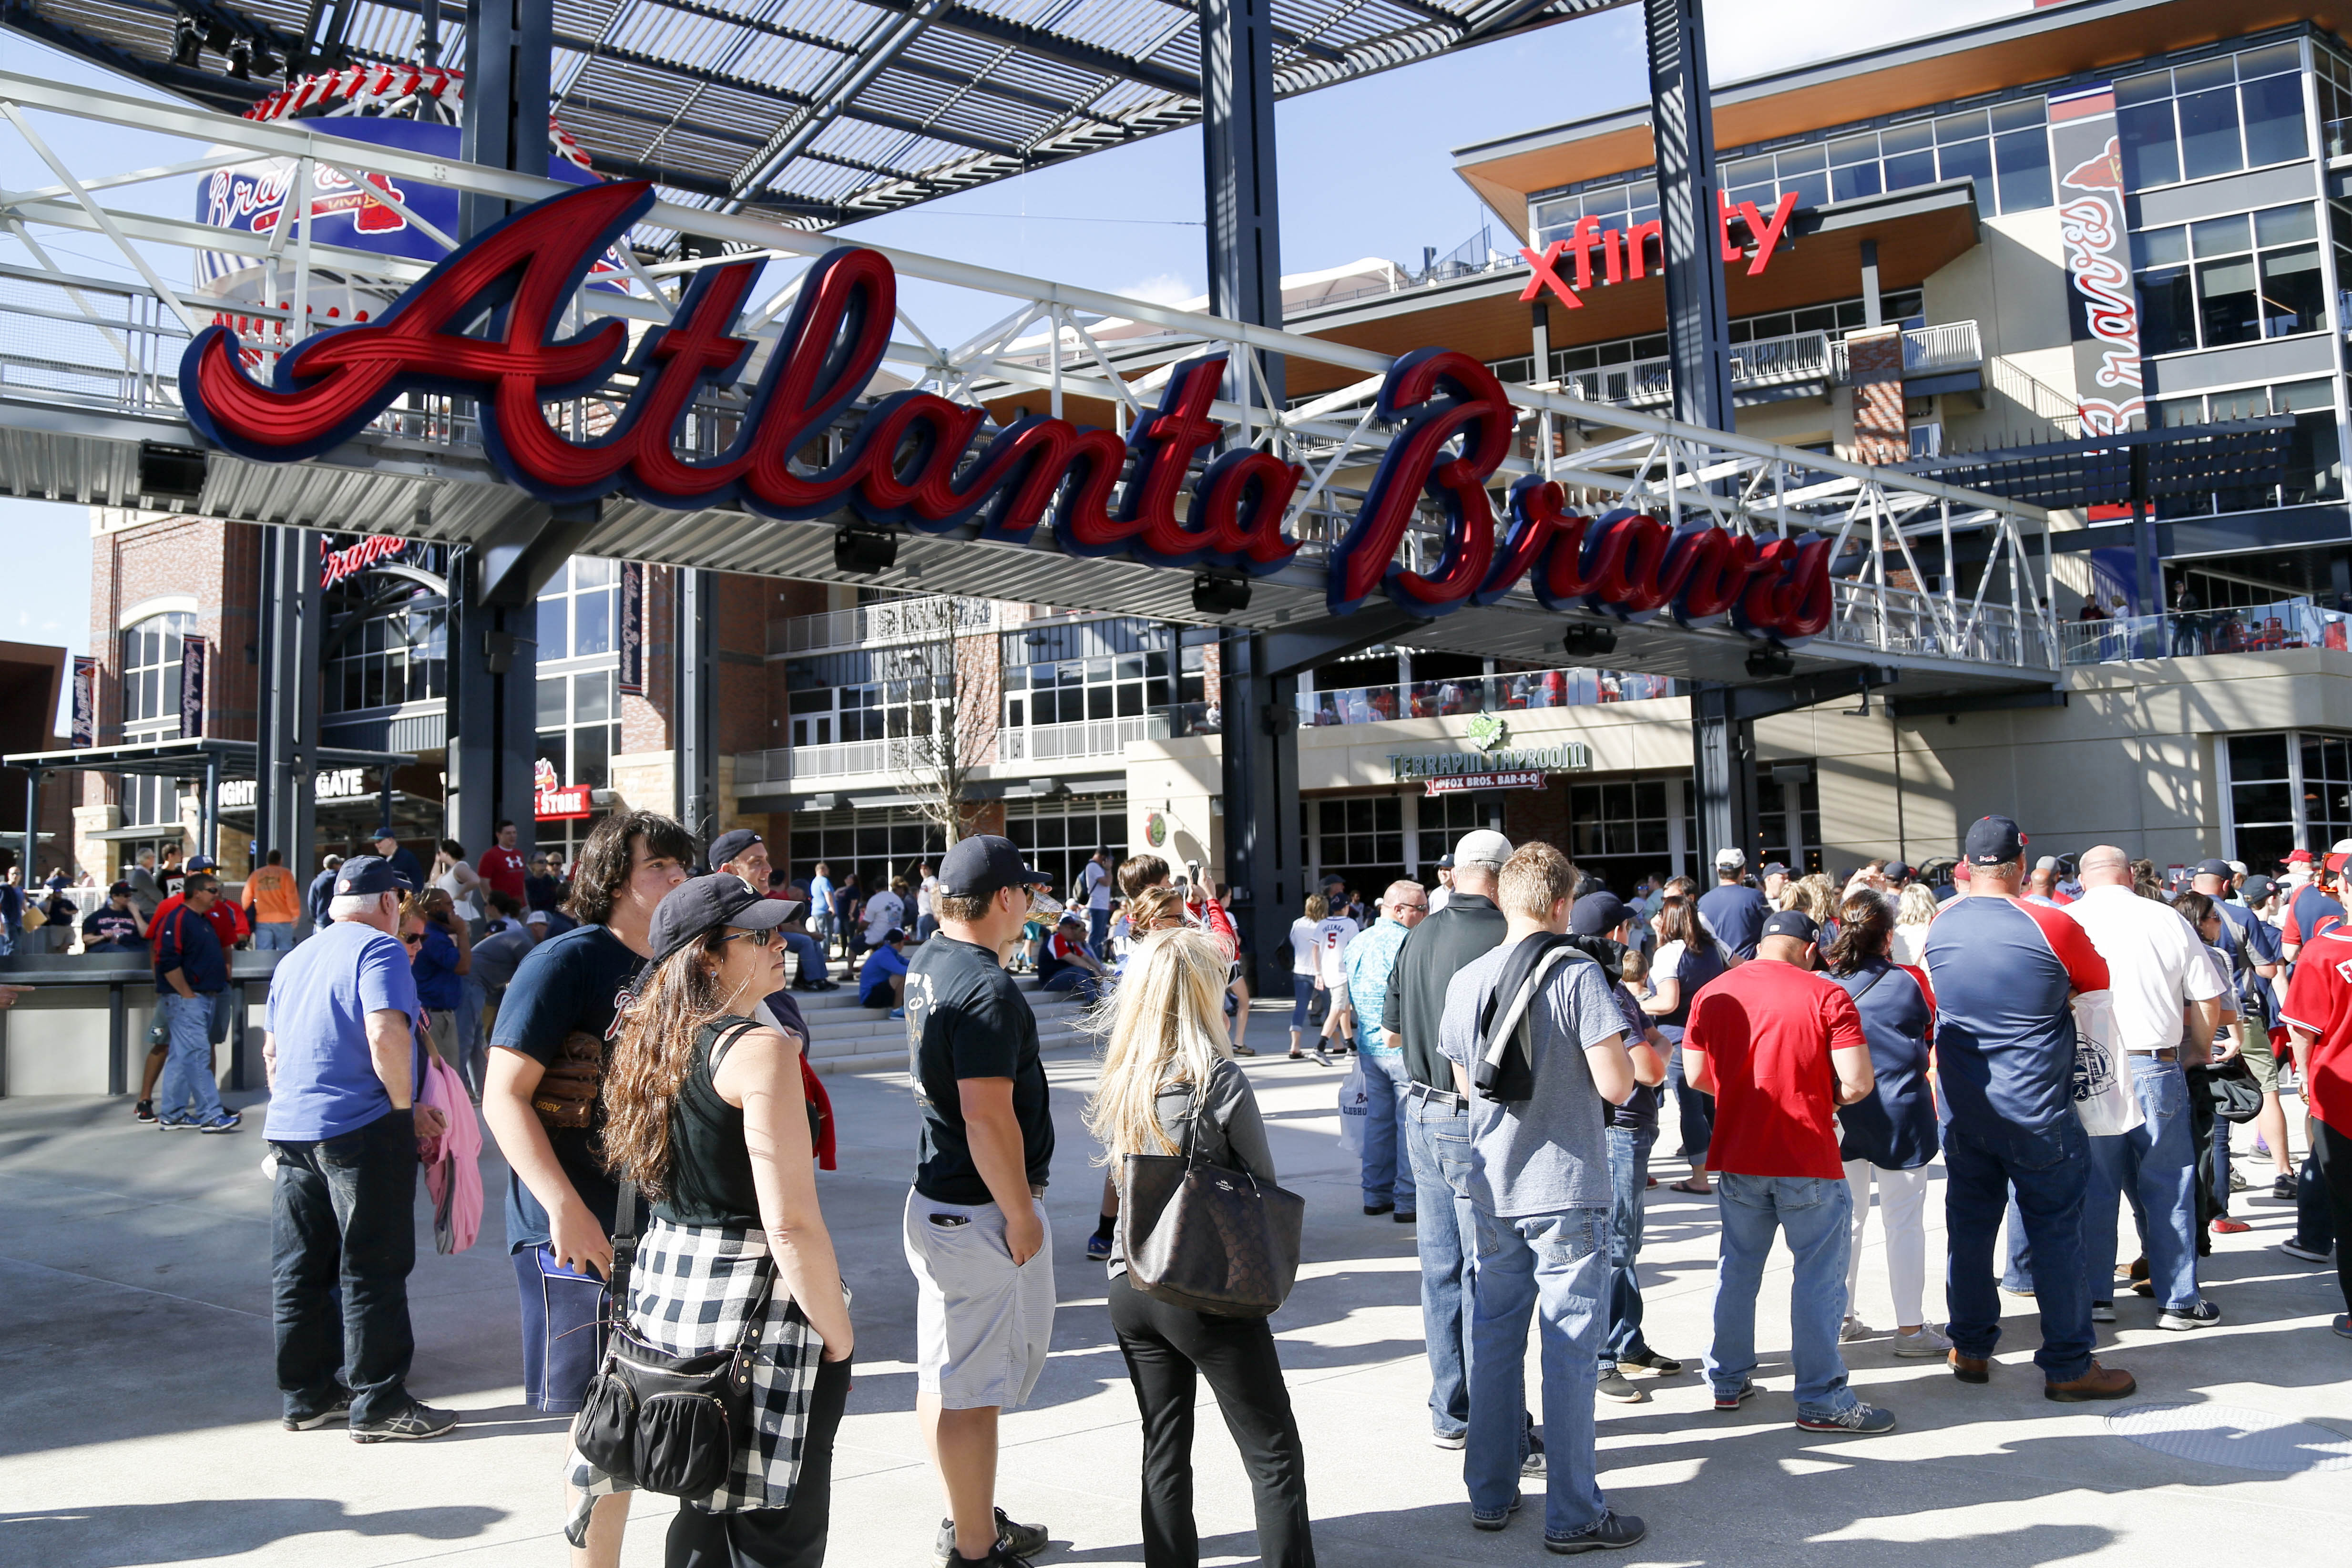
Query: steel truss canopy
(191, 759)
(2133, 465)
(91, 412)
(814, 112)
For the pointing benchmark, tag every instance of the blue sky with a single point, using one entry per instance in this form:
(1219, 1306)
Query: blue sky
(1367, 170)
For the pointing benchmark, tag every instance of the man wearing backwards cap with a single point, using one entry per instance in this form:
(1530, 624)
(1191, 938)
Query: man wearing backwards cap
(345, 1065)
(2252, 947)
(1781, 1048)
(2004, 973)
(975, 1232)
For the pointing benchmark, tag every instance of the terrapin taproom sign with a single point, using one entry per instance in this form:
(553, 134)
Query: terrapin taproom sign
(483, 323)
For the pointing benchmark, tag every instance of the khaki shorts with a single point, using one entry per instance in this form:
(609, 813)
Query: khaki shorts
(983, 1322)
(2254, 1044)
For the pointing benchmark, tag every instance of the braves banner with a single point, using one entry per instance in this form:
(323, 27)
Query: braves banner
(192, 688)
(909, 461)
(2103, 305)
(631, 633)
(85, 701)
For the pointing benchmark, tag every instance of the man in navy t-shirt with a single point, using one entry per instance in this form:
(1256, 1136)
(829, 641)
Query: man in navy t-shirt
(2004, 973)
(344, 1068)
(1734, 912)
(2317, 905)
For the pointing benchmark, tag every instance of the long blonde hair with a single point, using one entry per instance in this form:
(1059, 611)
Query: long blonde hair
(650, 1058)
(1167, 1026)
(1918, 905)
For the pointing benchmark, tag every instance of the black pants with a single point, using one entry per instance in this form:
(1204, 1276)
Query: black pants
(2332, 1154)
(1165, 1348)
(343, 1211)
(774, 1537)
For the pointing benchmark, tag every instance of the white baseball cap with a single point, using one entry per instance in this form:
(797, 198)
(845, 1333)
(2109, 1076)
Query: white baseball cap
(1730, 855)
(1482, 846)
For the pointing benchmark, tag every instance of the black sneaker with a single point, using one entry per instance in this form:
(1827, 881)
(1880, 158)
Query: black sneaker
(420, 1420)
(1664, 1365)
(144, 1111)
(2197, 1315)
(336, 1409)
(1614, 1386)
(2284, 1187)
(1615, 1531)
(1376, 1209)
(1014, 1541)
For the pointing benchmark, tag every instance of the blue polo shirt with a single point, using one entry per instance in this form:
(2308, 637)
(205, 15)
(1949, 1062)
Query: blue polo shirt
(438, 984)
(2002, 971)
(880, 965)
(319, 998)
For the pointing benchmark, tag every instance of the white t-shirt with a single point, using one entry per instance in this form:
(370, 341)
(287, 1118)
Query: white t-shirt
(1910, 944)
(1096, 881)
(924, 894)
(1331, 940)
(883, 911)
(468, 907)
(1437, 896)
(2155, 964)
(1302, 948)
(1667, 963)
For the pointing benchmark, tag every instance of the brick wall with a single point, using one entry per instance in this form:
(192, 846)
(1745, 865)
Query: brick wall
(1532, 815)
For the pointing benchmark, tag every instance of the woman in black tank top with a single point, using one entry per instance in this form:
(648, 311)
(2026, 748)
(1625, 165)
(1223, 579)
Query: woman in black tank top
(705, 1113)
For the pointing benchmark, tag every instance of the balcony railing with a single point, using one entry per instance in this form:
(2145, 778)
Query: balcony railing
(1478, 694)
(890, 622)
(1755, 366)
(1088, 738)
(1938, 350)
(2239, 629)
(800, 764)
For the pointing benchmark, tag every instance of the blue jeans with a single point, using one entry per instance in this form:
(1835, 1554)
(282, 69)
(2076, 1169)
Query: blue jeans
(473, 1051)
(2156, 1162)
(1559, 1262)
(812, 960)
(1388, 1165)
(187, 1088)
(1098, 931)
(2049, 1174)
(273, 936)
(2019, 1276)
(1816, 1215)
(1629, 1173)
(1437, 1136)
(1087, 988)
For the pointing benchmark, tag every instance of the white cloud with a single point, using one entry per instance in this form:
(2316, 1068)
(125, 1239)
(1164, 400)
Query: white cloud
(1162, 288)
(1749, 38)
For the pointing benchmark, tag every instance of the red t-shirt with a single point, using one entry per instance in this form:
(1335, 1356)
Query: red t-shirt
(1767, 1029)
(2319, 1003)
(228, 920)
(502, 869)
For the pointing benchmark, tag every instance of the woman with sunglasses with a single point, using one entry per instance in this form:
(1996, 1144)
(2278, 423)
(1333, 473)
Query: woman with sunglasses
(705, 1112)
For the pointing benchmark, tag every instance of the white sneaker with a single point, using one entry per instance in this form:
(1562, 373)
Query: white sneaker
(1930, 1340)
(1854, 1328)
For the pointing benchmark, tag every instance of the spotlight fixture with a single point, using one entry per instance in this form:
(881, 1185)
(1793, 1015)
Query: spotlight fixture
(187, 44)
(171, 474)
(1767, 663)
(1585, 639)
(218, 37)
(1215, 595)
(864, 552)
(240, 61)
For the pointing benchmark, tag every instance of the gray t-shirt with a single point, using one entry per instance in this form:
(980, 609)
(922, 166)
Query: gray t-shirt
(1548, 1154)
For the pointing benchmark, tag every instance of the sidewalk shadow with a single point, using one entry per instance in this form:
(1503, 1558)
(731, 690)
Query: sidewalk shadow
(126, 1535)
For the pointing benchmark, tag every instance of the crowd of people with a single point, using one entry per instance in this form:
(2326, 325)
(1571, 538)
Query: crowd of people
(2065, 1036)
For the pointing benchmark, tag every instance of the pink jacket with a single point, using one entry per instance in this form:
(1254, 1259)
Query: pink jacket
(453, 1170)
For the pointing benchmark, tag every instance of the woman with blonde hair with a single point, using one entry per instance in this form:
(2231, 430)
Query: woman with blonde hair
(1305, 968)
(1913, 913)
(1169, 1085)
(704, 1112)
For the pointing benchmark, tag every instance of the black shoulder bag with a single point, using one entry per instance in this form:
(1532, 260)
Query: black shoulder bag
(666, 1422)
(1204, 1236)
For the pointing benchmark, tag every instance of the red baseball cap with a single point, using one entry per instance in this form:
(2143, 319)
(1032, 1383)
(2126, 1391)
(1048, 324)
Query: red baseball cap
(2305, 856)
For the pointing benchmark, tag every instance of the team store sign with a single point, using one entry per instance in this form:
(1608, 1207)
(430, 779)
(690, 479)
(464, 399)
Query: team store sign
(482, 324)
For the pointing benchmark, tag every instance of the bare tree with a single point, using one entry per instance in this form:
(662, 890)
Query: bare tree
(951, 717)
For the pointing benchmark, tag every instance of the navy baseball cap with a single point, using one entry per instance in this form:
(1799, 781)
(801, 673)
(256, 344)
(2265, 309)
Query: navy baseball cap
(203, 863)
(1895, 872)
(1791, 922)
(2258, 888)
(117, 888)
(364, 874)
(2214, 869)
(730, 844)
(1775, 869)
(1598, 914)
(692, 907)
(977, 866)
(1993, 841)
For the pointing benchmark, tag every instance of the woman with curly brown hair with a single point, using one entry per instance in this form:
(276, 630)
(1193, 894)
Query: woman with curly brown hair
(704, 1112)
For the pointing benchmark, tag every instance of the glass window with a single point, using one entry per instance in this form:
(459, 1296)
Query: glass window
(2274, 115)
(2151, 153)
(1969, 161)
(2284, 226)
(2023, 159)
(2225, 302)
(1909, 169)
(150, 674)
(2017, 115)
(2160, 247)
(2293, 296)
(577, 609)
(1862, 149)
(2221, 236)
(1962, 127)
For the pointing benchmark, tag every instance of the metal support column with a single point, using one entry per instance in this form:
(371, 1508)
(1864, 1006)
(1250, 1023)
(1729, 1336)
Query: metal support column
(1264, 856)
(509, 44)
(1698, 322)
(28, 870)
(1723, 775)
(493, 705)
(292, 630)
(693, 705)
(211, 826)
(1241, 195)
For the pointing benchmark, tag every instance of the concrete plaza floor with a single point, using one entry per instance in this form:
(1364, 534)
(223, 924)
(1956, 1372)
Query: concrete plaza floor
(138, 1418)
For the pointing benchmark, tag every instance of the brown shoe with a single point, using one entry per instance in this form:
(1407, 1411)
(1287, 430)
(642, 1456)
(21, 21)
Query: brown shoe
(1970, 1368)
(2098, 1383)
